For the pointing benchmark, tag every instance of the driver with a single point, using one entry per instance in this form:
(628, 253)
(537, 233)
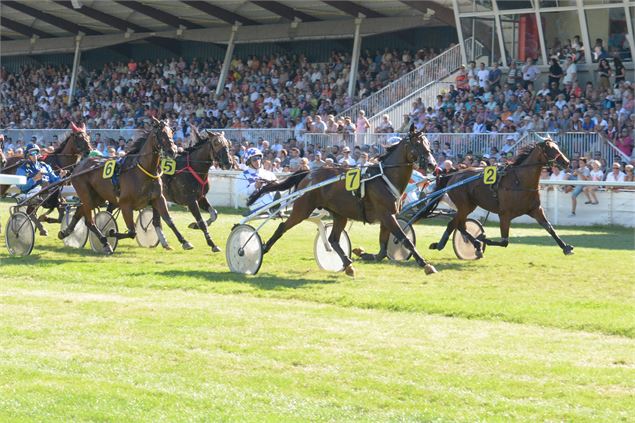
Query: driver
(255, 176)
(38, 174)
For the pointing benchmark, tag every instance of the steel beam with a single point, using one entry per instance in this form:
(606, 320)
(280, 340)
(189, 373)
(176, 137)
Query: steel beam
(23, 29)
(285, 11)
(158, 15)
(220, 13)
(354, 9)
(102, 17)
(50, 19)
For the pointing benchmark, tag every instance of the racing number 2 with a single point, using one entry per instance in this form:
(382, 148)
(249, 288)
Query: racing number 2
(353, 177)
(489, 175)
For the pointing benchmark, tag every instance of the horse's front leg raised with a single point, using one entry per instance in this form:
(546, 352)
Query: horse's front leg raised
(196, 212)
(159, 204)
(384, 236)
(390, 221)
(539, 215)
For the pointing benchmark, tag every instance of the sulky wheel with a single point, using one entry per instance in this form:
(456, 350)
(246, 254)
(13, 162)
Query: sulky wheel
(79, 236)
(326, 258)
(396, 250)
(244, 250)
(105, 222)
(19, 234)
(147, 236)
(463, 248)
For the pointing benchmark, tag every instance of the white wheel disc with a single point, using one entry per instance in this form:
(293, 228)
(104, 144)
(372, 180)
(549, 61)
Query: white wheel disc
(79, 236)
(105, 223)
(325, 255)
(463, 248)
(19, 234)
(147, 236)
(396, 250)
(244, 250)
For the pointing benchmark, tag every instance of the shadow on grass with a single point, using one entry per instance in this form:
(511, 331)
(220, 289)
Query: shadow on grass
(602, 241)
(261, 280)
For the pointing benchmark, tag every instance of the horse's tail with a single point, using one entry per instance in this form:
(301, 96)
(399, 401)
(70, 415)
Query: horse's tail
(291, 181)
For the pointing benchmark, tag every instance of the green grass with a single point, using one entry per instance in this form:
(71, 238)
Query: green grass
(524, 334)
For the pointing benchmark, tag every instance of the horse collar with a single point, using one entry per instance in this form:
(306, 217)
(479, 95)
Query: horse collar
(157, 176)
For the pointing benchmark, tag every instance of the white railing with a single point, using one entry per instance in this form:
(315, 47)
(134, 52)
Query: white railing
(432, 70)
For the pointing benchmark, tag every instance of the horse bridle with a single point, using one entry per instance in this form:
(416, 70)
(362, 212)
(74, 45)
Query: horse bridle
(418, 148)
(549, 161)
(160, 146)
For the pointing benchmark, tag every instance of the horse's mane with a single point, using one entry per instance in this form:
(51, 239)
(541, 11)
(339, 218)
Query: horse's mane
(388, 151)
(196, 146)
(61, 147)
(523, 153)
(137, 145)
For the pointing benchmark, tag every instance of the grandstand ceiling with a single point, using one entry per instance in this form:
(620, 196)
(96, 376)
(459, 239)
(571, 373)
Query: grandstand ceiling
(47, 26)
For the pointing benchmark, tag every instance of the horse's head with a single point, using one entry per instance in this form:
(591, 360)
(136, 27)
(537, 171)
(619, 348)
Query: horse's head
(163, 134)
(419, 150)
(79, 140)
(552, 154)
(219, 147)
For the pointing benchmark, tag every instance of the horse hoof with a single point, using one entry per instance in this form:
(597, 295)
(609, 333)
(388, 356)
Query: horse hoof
(187, 246)
(216, 249)
(61, 235)
(193, 225)
(112, 233)
(350, 270)
(479, 254)
(108, 250)
(358, 251)
(434, 246)
(429, 269)
(167, 247)
(568, 250)
(44, 232)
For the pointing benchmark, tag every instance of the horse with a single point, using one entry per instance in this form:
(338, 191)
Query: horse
(189, 185)
(514, 194)
(379, 203)
(140, 184)
(76, 146)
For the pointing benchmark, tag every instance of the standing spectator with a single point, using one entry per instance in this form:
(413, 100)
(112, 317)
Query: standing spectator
(461, 80)
(331, 125)
(617, 175)
(624, 142)
(385, 126)
(483, 75)
(604, 73)
(570, 72)
(630, 176)
(555, 73)
(495, 76)
(362, 125)
(317, 161)
(346, 159)
(582, 173)
(620, 71)
(319, 126)
(596, 174)
(530, 72)
(513, 74)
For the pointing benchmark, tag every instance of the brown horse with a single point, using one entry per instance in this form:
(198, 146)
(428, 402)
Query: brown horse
(139, 182)
(515, 194)
(379, 203)
(189, 185)
(65, 157)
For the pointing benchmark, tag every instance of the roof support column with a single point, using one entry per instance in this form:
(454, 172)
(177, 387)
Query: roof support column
(357, 47)
(228, 60)
(459, 32)
(76, 59)
(629, 35)
(585, 33)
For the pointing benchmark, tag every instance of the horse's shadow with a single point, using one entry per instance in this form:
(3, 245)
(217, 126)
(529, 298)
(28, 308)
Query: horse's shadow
(265, 281)
(605, 241)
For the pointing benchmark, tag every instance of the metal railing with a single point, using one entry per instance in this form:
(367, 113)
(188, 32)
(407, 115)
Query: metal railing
(432, 70)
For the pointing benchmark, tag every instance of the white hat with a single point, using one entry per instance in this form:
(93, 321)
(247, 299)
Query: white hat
(392, 141)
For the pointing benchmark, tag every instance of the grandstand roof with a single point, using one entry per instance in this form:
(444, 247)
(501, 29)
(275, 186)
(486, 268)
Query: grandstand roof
(38, 26)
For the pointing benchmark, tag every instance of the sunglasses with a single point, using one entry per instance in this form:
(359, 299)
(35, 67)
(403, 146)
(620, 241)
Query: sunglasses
(33, 153)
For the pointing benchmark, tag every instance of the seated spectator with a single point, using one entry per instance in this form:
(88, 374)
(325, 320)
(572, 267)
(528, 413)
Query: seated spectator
(616, 175)
(385, 126)
(346, 159)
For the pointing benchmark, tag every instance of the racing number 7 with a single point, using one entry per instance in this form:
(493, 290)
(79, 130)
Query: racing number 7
(353, 177)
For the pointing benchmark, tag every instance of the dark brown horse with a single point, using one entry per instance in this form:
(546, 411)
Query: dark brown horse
(65, 157)
(378, 204)
(515, 194)
(189, 185)
(139, 186)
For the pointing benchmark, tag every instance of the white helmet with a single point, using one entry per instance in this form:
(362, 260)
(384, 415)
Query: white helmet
(251, 153)
(392, 141)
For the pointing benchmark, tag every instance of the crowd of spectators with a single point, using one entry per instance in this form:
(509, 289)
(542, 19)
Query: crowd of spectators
(276, 91)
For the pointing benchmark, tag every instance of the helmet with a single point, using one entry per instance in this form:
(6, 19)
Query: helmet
(30, 148)
(393, 141)
(251, 153)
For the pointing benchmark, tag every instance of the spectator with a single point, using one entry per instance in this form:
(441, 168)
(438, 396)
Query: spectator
(604, 73)
(483, 75)
(530, 72)
(616, 175)
(495, 76)
(555, 73)
(317, 161)
(582, 173)
(362, 125)
(629, 176)
(620, 71)
(596, 174)
(385, 126)
(513, 75)
(346, 159)
(570, 72)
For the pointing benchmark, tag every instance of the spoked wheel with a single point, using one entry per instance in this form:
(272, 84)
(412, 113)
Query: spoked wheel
(244, 250)
(20, 234)
(325, 255)
(396, 250)
(463, 248)
(79, 236)
(105, 222)
(146, 234)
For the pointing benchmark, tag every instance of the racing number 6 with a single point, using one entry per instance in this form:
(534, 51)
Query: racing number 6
(109, 169)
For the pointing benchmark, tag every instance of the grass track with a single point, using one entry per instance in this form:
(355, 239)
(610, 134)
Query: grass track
(525, 333)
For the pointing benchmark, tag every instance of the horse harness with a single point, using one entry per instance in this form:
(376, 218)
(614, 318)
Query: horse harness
(197, 177)
(368, 173)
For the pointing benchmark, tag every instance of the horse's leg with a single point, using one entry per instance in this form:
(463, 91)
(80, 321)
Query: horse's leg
(477, 243)
(31, 211)
(339, 223)
(504, 224)
(301, 211)
(384, 236)
(156, 223)
(71, 226)
(539, 214)
(87, 212)
(203, 204)
(390, 221)
(161, 206)
(196, 212)
(446, 235)
(128, 218)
